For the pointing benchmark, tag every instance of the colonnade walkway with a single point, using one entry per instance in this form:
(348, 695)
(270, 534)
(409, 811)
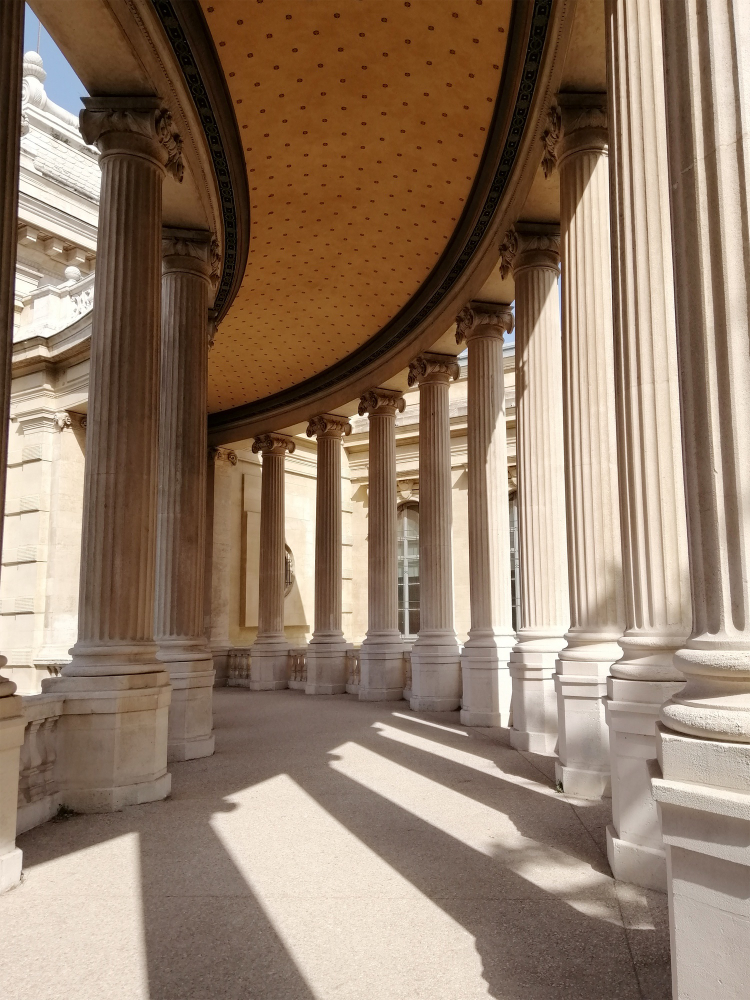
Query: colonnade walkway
(333, 848)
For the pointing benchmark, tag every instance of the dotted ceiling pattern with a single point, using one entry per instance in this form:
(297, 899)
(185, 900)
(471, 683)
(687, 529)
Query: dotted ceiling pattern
(363, 124)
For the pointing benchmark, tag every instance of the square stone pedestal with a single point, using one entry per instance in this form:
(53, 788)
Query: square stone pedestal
(582, 767)
(12, 725)
(269, 666)
(634, 844)
(435, 674)
(191, 720)
(112, 740)
(381, 671)
(534, 699)
(702, 788)
(326, 666)
(486, 684)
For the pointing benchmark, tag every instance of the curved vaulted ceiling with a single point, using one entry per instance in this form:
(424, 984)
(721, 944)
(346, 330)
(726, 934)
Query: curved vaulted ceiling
(363, 125)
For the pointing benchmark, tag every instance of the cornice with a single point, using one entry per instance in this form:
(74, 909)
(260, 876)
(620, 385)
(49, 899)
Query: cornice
(186, 30)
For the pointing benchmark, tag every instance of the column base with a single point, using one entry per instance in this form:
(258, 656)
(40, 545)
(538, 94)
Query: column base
(632, 711)
(486, 683)
(381, 671)
(581, 784)
(12, 727)
(544, 744)
(269, 666)
(634, 863)
(702, 788)
(326, 667)
(583, 740)
(112, 740)
(191, 719)
(532, 672)
(10, 869)
(435, 673)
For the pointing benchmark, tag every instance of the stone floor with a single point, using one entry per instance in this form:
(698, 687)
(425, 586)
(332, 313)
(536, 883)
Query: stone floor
(335, 849)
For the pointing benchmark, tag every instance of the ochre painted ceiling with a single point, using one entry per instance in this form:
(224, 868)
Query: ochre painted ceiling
(363, 123)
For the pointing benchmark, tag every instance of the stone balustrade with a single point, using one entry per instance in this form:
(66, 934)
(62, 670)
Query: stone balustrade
(298, 667)
(353, 671)
(38, 789)
(238, 667)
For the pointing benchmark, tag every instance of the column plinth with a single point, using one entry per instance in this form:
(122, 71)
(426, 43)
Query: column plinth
(382, 652)
(269, 667)
(113, 735)
(435, 657)
(652, 497)
(486, 688)
(577, 140)
(181, 517)
(12, 722)
(533, 254)
(326, 651)
(703, 743)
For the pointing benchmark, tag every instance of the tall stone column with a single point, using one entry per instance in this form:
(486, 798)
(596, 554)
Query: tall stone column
(269, 653)
(533, 253)
(652, 495)
(435, 657)
(181, 517)
(704, 741)
(382, 652)
(484, 661)
(326, 651)
(113, 735)
(577, 141)
(219, 547)
(11, 720)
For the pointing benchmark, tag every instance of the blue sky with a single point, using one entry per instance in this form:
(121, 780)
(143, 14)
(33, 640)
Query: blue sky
(62, 85)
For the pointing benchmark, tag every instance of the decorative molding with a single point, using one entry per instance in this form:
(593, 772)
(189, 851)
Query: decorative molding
(508, 250)
(186, 243)
(141, 116)
(429, 368)
(273, 444)
(539, 240)
(229, 170)
(63, 420)
(483, 319)
(212, 326)
(215, 258)
(481, 206)
(375, 401)
(329, 425)
(550, 139)
(223, 455)
(171, 140)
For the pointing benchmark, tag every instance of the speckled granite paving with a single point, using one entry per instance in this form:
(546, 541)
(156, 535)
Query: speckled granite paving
(335, 850)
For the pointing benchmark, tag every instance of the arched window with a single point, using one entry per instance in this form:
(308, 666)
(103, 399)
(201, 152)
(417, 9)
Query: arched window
(408, 569)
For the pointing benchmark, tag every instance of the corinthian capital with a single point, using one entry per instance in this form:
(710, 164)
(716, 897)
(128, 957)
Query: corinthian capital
(483, 319)
(186, 250)
(329, 425)
(385, 401)
(530, 244)
(273, 444)
(136, 122)
(429, 368)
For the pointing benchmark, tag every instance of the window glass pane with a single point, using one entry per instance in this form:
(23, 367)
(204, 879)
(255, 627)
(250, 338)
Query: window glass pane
(408, 569)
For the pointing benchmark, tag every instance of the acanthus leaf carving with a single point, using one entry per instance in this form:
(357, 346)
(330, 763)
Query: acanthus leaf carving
(273, 444)
(433, 368)
(550, 139)
(381, 401)
(329, 425)
(484, 318)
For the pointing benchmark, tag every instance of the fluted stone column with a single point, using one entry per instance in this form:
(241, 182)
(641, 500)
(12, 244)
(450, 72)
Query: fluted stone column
(435, 658)
(11, 720)
(180, 551)
(269, 669)
(652, 496)
(577, 141)
(704, 742)
(484, 660)
(221, 463)
(326, 651)
(533, 253)
(382, 652)
(113, 735)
